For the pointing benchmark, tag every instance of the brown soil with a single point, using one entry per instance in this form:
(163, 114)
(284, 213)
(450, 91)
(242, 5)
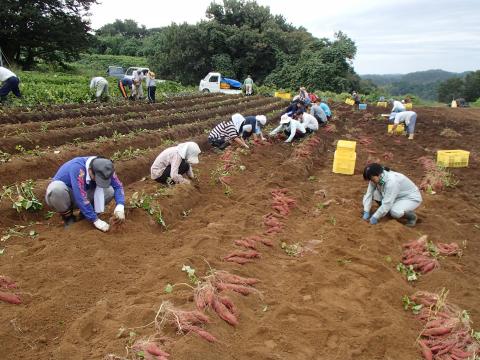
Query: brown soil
(342, 300)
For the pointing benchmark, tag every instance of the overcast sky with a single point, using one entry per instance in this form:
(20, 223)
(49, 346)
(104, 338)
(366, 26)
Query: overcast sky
(392, 36)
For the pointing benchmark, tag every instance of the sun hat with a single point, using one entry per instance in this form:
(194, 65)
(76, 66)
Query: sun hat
(262, 119)
(285, 119)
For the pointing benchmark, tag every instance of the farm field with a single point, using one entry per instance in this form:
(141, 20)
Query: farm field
(328, 285)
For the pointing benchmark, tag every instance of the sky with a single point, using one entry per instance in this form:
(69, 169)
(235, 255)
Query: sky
(392, 36)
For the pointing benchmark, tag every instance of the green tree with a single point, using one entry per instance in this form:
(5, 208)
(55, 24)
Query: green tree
(451, 89)
(472, 86)
(49, 30)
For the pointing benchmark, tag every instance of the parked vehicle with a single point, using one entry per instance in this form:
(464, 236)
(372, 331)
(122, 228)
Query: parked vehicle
(215, 83)
(116, 71)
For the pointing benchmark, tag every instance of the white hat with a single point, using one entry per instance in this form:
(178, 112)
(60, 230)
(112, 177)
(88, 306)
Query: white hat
(262, 119)
(285, 119)
(247, 128)
(189, 151)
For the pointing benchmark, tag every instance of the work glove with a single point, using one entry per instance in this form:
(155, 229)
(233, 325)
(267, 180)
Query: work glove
(119, 212)
(373, 220)
(101, 225)
(366, 215)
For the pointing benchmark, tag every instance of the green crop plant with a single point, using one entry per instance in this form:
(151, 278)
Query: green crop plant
(146, 202)
(128, 154)
(22, 196)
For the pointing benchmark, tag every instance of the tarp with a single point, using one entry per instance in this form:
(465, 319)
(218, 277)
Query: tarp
(232, 83)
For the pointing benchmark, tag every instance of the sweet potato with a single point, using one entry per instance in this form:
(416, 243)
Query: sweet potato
(226, 277)
(239, 260)
(224, 312)
(256, 238)
(247, 254)
(229, 305)
(200, 332)
(249, 244)
(426, 352)
(241, 289)
(436, 331)
(10, 298)
(7, 282)
(153, 349)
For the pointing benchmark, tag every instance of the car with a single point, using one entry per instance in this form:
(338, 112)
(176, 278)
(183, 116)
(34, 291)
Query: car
(116, 71)
(215, 83)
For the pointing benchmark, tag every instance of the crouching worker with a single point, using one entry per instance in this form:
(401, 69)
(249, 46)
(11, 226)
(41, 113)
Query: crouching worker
(394, 192)
(100, 86)
(87, 183)
(407, 117)
(290, 127)
(174, 162)
(228, 131)
(253, 126)
(308, 121)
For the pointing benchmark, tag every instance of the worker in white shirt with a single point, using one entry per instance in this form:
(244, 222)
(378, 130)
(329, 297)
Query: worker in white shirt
(308, 121)
(9, 82)
(174, 162)
(100, 85)
(291, 127)
(138, 76)
(397, 106)
(409, 118)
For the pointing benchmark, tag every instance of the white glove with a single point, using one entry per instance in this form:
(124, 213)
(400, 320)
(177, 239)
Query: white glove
(101, 225)
(119, 212)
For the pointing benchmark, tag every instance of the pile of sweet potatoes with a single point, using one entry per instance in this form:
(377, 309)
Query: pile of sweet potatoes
(447, 332)
(8, 284)
(422, 255)
(435, 178)
(207, 294)
(306, 148)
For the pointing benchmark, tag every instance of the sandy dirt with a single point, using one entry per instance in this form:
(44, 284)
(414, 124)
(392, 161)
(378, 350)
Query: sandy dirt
(341, 298)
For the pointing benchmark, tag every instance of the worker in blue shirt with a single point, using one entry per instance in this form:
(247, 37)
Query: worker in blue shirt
(124, 84)
(87, 183)
(326, 109)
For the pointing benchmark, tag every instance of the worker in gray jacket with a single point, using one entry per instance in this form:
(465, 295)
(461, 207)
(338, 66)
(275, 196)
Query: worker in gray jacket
(394, 192)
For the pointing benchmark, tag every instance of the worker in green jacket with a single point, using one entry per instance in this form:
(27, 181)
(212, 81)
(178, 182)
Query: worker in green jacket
(248, 83)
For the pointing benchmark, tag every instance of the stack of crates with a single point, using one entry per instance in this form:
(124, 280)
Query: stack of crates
(382, 104)
(408, 106)
(453, 158)
(345, 157)
(398, 131)
(350, 102)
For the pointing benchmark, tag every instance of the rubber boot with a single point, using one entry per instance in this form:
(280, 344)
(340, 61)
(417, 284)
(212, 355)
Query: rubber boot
(411, 218)
(410, 137)
(68, 218)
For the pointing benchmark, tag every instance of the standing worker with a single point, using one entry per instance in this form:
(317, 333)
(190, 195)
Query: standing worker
(394, 192)
(407, 117)
(137, 77)
(175, 161)
(248, 85)
(124, 84)
(291, 128)
(10, 83)
(151, 86)
(226, 132)
(87, 183)
(100, 85)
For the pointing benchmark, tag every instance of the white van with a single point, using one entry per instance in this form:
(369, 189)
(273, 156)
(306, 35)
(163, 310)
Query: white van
(214, 83)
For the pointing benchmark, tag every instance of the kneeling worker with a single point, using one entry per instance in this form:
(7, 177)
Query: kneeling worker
(395, 193)
(175, 161)
(87, 183)
(292, 128)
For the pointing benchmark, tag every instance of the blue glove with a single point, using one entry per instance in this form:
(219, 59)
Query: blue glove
(366, 215)
(373, 220)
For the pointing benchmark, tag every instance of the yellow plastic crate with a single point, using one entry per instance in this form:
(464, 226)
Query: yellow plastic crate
(382, 104)
(350, 102)
(283, 95)
(344, 162)
(346, 146)
(408, 106)
(453, 158)
(398, 131)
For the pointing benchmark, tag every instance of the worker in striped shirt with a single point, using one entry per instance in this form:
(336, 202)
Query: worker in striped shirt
(226, 132)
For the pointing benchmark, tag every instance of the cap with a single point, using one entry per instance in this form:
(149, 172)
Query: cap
(103, 171)
(285, 119)
(262, 119)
